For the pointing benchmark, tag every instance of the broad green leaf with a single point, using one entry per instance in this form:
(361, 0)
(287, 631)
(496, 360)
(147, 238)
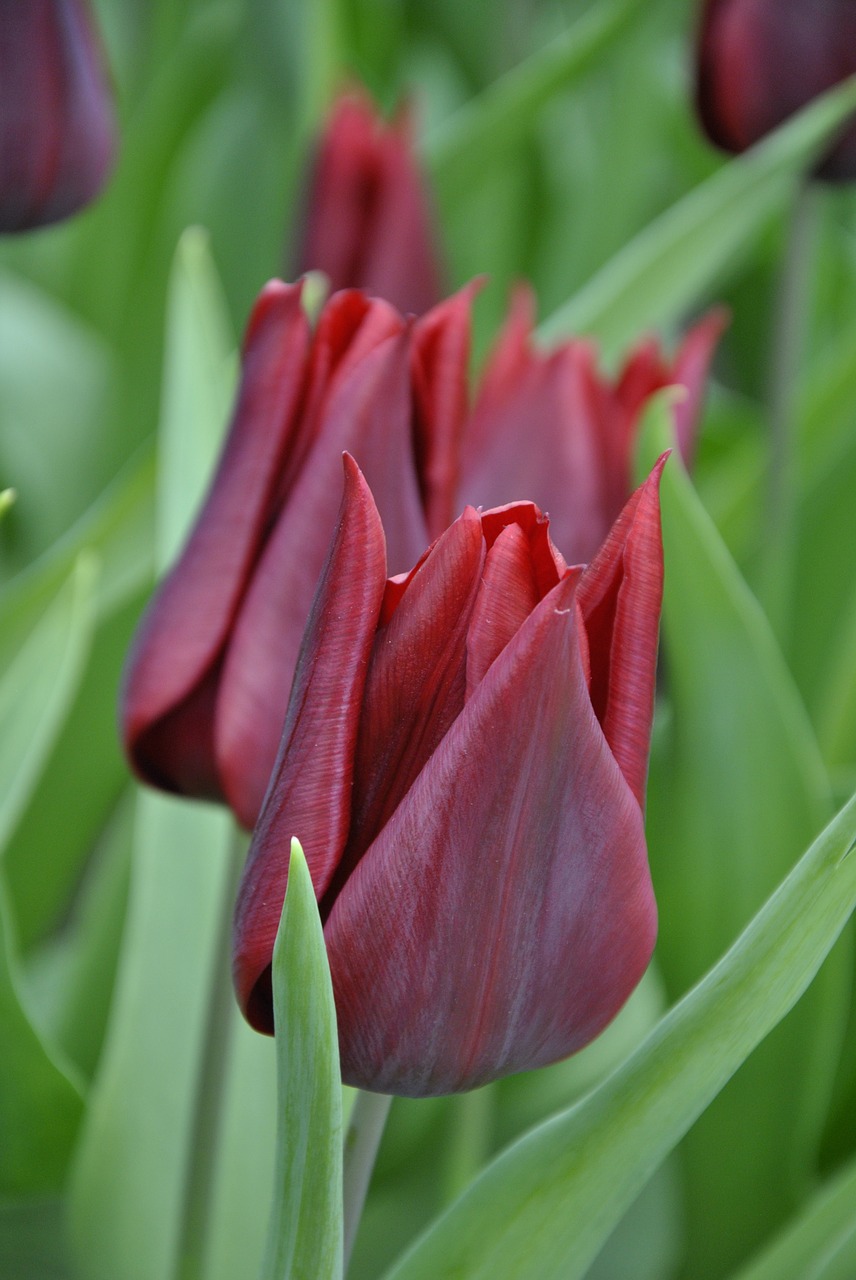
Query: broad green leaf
(487, 126)
(31, 1240)
(305, 1237)
(829, 1218)
(36, 690)
(136, 1158)
(546, 1205)
(198, 381)
(665, 269)
(7, 500)
(737, 791)
(40, 1100)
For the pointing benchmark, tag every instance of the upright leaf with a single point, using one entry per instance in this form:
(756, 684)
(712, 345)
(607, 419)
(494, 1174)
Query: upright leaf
(670, 265)
(546, 1205)
(305, 1240)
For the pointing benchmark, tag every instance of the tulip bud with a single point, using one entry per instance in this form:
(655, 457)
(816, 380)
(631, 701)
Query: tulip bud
(208, 678)
(464, 762)
(549, 427)
(366, 221)
(759, 61)
(57, 122)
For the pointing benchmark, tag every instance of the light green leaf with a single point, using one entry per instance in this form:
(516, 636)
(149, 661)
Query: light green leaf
(829, 1217)
(736, 791)
(198, 382)
(36, 690)
(678, 257)
(135, 1162)
(305, 1240)
(545, 1206)
(7, 500)
(488, 125)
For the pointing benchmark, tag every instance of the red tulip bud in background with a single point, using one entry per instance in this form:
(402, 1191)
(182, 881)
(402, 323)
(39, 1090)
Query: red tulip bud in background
(57, 121)
(208, 678)
(549, 427)
(367, 223)
(759, 61)
(464, 760)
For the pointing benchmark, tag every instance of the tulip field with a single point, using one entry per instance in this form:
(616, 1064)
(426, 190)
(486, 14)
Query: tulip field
(427, 640)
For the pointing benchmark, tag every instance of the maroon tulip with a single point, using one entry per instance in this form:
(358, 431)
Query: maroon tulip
(549, 427)
(759, 61)
(367, 222)
(209, 676)
(57, 123)
(464, 761)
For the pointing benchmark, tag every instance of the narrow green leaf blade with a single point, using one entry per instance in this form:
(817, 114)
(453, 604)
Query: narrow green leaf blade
(489, 124)
(305, 1237)
(668, 266)
(37, 688)
(546, 1205)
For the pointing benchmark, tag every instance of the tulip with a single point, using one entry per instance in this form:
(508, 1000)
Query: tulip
(208, 678)
(759, 61)
(464, 761)
(549, 427)
(57, 122)
(367, 222)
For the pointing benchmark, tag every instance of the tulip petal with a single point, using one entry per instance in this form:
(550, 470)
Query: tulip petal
(620, 596)
(310, 789)
(369, 416)
(169, 682)
(507, 597)
(58, 130)
(441, 353)
(416, 683)
(692, 366)
(505, 912)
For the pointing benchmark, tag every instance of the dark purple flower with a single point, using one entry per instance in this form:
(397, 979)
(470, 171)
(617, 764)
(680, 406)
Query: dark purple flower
(57, 118)
(464, 761)
(208, 678)
(759, 61)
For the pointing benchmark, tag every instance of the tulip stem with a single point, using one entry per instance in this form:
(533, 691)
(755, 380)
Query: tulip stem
(362, 1140)
(786, 357)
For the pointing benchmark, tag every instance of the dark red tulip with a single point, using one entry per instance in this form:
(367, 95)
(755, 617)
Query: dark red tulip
(367, 223)
(759, 61)
(464, 760)
(551, 428)
(209, 675)
(57, 121)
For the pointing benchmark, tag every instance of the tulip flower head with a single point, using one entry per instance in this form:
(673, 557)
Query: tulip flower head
(464, 761)
(367, 223)
(550, 427)
(208, 678)
(759, 61)
(57, 120)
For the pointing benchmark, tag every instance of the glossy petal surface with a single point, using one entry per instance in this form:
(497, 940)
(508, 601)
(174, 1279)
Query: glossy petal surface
(169, 689)
(57, 121)
(505, 912)
(310, 792)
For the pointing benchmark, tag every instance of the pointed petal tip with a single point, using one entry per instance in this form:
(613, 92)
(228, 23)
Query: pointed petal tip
(275, 301)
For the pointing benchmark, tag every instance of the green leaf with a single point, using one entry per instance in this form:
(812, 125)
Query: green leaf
(134, 1164)
(305, 1238)
(829, 1218)
(198, 383)
(7, 500)
(736, 791)
(686, 250)
(488, 125)
(546, 1205)
(40, 1101)
(36, 691)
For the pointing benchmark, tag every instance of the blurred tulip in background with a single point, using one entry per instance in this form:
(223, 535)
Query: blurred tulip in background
(58, 132)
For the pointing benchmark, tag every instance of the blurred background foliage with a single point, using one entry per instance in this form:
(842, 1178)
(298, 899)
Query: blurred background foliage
(106, 337)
